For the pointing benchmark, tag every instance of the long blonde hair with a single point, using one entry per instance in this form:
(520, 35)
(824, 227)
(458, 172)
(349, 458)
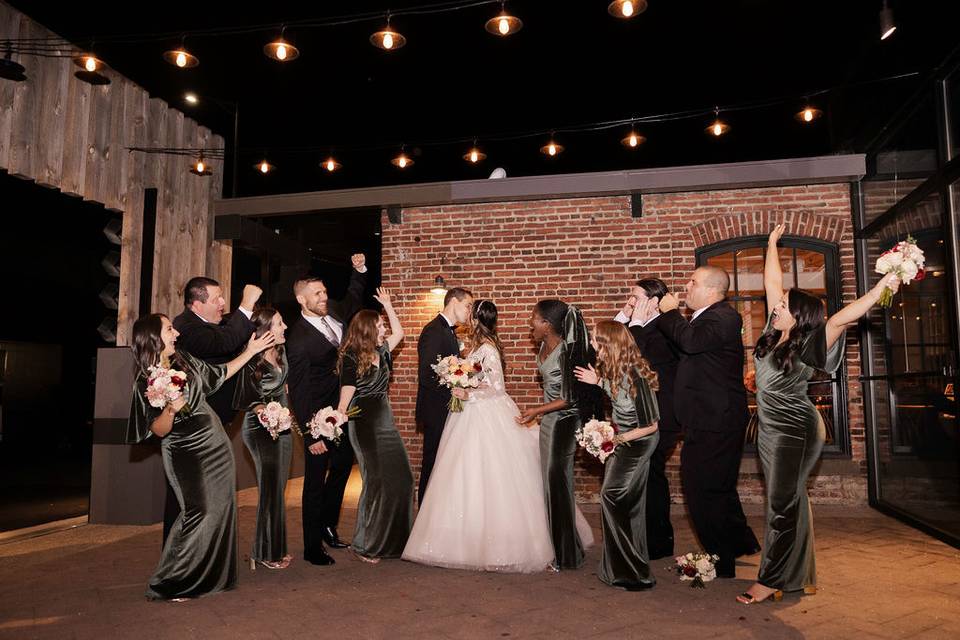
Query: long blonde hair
(618, 356)
(360, 341)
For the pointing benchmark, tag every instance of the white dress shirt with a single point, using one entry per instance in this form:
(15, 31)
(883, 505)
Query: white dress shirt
(326, 325)
(249, 314)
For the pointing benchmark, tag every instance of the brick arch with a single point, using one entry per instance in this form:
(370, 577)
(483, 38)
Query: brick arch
(829, 228)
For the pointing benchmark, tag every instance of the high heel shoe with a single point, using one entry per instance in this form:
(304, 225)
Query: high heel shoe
(361, 557)
(266, 563)
(810, 590)
(747, 598)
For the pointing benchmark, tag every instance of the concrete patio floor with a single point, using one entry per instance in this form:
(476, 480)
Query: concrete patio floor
(878, 579)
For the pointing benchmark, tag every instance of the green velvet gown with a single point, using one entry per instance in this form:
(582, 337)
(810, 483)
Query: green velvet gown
(625, 560)
(385, 509)
(270, 457)
(790, 438)
(200, 554)
(558, 446)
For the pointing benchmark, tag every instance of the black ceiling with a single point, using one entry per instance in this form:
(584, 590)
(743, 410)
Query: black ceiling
(571, 64)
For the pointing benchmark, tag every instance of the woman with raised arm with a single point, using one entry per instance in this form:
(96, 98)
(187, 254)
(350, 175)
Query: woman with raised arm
(200, 554)
(385, 510)
(796, 343)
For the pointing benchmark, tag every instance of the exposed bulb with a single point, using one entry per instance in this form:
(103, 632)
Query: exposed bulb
(200, 166)
(264, 167)
(808, 115)
(281, 52)
(627, 9)
(474, 156)
(388, 41)
(181, 59)
(717, 129)
(504, 26)
(552, 149)
(331, 165)
(633, 140)
(90, 64)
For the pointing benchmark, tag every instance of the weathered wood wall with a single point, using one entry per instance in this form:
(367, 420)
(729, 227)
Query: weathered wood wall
(69, 135)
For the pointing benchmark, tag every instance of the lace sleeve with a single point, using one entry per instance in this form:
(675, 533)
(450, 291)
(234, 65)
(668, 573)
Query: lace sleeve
(492, 384)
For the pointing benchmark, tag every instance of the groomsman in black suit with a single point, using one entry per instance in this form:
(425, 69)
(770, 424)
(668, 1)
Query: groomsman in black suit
(437, 339)
(205, 335)
(711, 406)
(664, 358)
(312, 344)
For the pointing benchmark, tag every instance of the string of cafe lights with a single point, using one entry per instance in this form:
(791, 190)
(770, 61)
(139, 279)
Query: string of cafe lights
(634, 130)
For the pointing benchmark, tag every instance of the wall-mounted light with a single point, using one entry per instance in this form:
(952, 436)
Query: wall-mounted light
(439, 286)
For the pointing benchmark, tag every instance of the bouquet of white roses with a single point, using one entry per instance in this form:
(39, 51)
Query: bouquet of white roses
(698, 567)
(164, 386)
(906, 260)
(596, 436)
(455, 372)
(275, 418)
(328, 423)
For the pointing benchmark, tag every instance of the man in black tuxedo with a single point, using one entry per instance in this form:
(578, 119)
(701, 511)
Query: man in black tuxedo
(206, 336)
(664, 357)
(312, 344)
(438, 339)
(711, 406)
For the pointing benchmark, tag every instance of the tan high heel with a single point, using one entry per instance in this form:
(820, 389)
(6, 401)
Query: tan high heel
(810, 590)
(746, 598)
(362, 558)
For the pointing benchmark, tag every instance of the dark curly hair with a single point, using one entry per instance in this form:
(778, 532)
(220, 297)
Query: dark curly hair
(807, 312)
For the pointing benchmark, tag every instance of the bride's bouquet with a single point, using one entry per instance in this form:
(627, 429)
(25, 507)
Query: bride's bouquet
(596, 436)
(164, 385)
(697, 567)
(906, 260)
(328, 423)
(455, 372)
(275, 418)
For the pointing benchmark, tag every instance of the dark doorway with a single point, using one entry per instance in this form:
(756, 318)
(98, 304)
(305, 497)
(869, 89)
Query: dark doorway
(55, 257)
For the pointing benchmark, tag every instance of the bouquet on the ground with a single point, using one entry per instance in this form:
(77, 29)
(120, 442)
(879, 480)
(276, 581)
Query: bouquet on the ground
(275, 418)
(906, 260)
(455, 372)
(697, 567)
(164, 386)
(328, 423)
(596, 436)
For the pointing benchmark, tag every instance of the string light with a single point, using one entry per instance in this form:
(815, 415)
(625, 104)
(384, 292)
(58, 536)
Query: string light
(181, 58)
(633, 140)
(264, 167)
(503, 24)
(474, 155)
(387, 39)
(200, 168)
(626, 8)
(551, 149)
(281, 50)
(402, 161)
(808, 114)
(191, 98)
(331, 165)
(88, 62)
(718, 127)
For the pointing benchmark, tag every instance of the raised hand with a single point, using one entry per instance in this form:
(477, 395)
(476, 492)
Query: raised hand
(384, 297)
(890, 281)
(669, 302)
(251, 293)
(776, 234)
(359, 261)
(588, 375)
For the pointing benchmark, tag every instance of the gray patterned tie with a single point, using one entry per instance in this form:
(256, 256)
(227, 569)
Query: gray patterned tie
(332, 335)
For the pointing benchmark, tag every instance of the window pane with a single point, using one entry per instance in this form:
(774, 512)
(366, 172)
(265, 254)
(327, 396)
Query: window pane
(724, 261)
(750, 272)
(811, 271)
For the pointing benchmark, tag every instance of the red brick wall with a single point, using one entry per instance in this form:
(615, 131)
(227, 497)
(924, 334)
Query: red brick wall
(588, 251)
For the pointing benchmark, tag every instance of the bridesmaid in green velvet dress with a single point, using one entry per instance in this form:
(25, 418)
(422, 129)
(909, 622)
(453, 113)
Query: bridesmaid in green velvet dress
(796, 343)
(200, 554)
(264, 380)
(385, 510)
(627, 378)
(563, 336)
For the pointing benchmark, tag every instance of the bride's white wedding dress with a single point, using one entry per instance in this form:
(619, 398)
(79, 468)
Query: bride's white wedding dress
(484, 506)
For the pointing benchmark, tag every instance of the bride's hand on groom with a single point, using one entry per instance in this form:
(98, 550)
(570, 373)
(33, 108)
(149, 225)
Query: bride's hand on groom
(457, 392)
(526, 417)
(588, 375)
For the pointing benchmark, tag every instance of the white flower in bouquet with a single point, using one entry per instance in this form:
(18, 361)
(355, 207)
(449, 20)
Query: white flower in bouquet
(906, 260)
(699, 568)
(596, 436)
(327, 423)
(454, 372)
(275, 418)
(164, 386)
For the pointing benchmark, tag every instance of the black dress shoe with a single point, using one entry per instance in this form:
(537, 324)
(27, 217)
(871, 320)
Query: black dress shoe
(319, 557)
(329, 535)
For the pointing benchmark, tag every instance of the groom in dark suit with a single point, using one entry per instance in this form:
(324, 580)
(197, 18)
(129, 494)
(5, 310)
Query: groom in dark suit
(711, 406)
(438, 339)
(206, 336)
(312, 344)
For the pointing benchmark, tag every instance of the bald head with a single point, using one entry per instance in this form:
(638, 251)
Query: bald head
(708, 285)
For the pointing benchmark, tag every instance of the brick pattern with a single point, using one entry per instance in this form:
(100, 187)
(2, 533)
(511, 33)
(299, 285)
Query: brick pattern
(588, 251)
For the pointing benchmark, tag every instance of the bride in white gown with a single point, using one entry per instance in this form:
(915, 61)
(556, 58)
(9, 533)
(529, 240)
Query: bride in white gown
(484, 506)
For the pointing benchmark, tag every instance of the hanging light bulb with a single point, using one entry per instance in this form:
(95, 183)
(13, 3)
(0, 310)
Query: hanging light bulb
(402, 161)
(387, 39)
(474, 155)
(808, 114)
(331, 165)
(887, 25)
(264, 167)
(181, 58)
(200, 168)
(718, 127)
(88, 62)
(281, 50)
(503, 24)
(551, 149)
(633, 140)
(191, 98)
(626, 8)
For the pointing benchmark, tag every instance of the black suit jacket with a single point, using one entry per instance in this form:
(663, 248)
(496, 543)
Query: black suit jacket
(436, 339)
(708, 390)
(664, 357)
(212, 343)
(313, 381)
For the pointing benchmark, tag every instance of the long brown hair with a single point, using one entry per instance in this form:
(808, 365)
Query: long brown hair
(148, 342)
(807, 312)
(262, 319)
(360, 341)
(485, 328)
(618, 355)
